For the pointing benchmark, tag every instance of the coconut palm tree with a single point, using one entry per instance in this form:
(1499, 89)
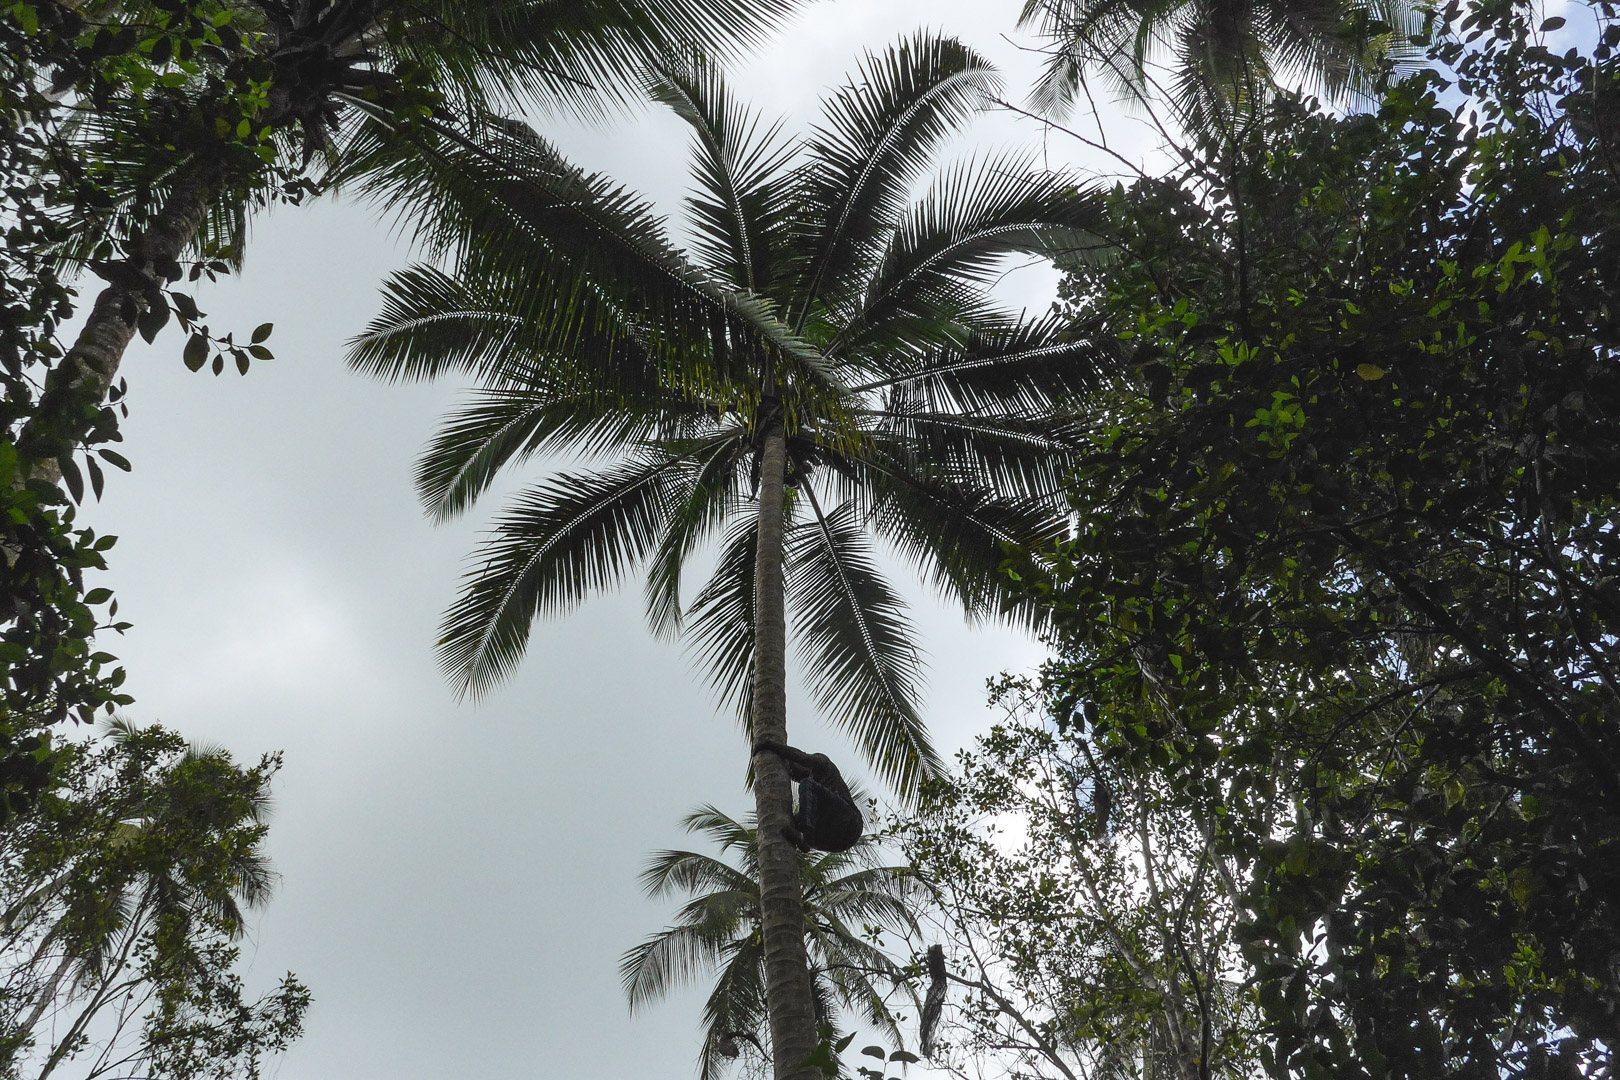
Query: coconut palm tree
(826, 367)
(323, 59)
(1221, 55)
(719, 930)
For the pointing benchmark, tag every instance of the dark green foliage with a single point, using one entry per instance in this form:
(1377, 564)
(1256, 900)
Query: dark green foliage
(1346, 565)
(54, 63)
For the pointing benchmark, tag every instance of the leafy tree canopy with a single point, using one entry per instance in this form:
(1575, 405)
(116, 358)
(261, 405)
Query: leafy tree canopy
(125, 893)
(62, 194)
(1085, 919)
(1344, 572)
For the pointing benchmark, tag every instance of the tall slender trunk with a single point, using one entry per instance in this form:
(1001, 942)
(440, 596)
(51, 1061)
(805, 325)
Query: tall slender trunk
(77, 389)
(788, 997)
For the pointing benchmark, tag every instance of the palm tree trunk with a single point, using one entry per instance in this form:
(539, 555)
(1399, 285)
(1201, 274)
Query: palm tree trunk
(74, 393)
(788, 997)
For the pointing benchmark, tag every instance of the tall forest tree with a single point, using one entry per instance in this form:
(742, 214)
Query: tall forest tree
(125, 895)
(827, 365)
(53, 59)
(1086, 923)
(1345, 566)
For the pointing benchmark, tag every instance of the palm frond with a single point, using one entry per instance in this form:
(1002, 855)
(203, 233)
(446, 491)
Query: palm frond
(505, 426)
(861, 660)
(954, 242)
(668, 959)
(690, 871)
(1028, 369)
(1018, 455)
(739, 215)
(721, 619)
(880, 131)
(498, 331)
(956, 533)
(714, 492)
(586, 56)
(558, 542)
(736, 1004)
(1222, 58)
(722, 828)
(850, 967)
(570, 250)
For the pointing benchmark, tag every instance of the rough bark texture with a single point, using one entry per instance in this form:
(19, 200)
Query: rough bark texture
(77, 389)
(787, 971)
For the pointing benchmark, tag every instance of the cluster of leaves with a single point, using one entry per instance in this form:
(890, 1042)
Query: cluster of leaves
(1345, 570)
(125, 893)
(55, 67)
(830, 1046)
(1089, 919)
(112, 112)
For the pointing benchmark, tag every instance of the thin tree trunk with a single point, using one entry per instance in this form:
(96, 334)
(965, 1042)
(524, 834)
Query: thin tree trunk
(76, 390)
(788, 996)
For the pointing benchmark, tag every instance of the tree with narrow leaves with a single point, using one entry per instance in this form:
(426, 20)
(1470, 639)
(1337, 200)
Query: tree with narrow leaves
(826, 367)
(126, 895)
(1217, 59)
(718, 931)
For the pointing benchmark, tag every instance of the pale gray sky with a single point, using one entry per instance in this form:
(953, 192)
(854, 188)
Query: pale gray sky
(458, 881)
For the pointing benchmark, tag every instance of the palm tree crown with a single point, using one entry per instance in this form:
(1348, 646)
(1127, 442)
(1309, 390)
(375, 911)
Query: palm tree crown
(718, 930)
(817, 295)
(1221, 54)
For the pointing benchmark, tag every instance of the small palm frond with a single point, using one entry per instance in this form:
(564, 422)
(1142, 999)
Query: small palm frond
(737, 1004)
(954, 241)
(852, 968)
(586, 57)
(740, 215)
(880, 895)
(714, 493)
(668, 959)
(1017, 455)
(723, 829)
(720, 912)
(559, 541)
(570, 251)
(721, 620)
(861, 659)
(433, 324)
(688, 871)
(880, 132)
(955, 533)
(1027, 369)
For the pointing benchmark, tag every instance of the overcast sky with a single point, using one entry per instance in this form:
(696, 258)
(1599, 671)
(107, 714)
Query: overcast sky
(458, 881)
